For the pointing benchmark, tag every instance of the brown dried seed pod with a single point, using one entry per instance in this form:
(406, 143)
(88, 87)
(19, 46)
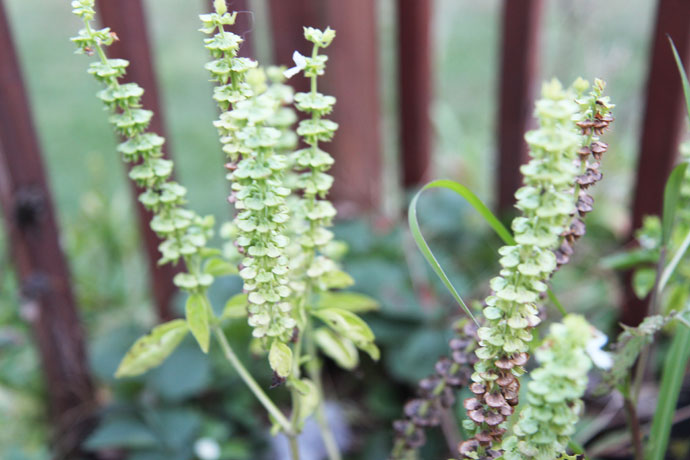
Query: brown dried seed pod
(477, 388)
(584, 152)
(467, 447)
(412, 407)
(520, 359)
(504, 363)
(505, 379)
(494, 400)
(471, 404)
(484, 437)
(561, 257)
(599, 147)
(494, 418)
(577, 229)
(477, 416)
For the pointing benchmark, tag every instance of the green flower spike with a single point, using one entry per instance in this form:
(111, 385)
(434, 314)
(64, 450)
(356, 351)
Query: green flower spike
(553, 399)
(546, 202)
(256, 170)
(185, 234)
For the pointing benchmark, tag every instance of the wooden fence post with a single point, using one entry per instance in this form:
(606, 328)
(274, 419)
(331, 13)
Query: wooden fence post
(661, 127)
(126, 18)
(46, 292)
(415, 90)
(352, 77)
(519, 64)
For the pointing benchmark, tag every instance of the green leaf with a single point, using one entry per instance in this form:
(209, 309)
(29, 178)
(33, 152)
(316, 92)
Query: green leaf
(197, 311)
(628, 347)
(151, 350)
(671, 196)
(235, 307)
(683, 76)
(280, 358)
(220, 267)
(488, 216)
(309, 398)
(630, 259)
(671, 382)
(339, 349)
(643, 281)
(351, 301)
(349, 326)
(336, 279)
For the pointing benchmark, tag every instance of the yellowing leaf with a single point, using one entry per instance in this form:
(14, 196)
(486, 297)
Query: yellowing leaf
(280, 358)
(338, 348)
(151, 350)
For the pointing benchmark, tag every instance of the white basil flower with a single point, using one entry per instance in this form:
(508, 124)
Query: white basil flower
(300, 64)
(602, 359)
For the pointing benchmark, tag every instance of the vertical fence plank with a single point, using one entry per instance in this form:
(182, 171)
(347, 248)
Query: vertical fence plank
(42, 271)
(662, 125)
(415, 90)
(519, 63)
(126, 18)
(352, 77)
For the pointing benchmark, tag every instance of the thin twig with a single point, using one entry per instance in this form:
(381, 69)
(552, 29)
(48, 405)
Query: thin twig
(634, 425)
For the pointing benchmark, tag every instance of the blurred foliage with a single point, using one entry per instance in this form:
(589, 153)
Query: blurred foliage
(165, 413)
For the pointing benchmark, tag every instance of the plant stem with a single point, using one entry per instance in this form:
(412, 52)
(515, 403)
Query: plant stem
(294, 447)
(653, 309)
(251, 383)
(313, 370)
(634, 425)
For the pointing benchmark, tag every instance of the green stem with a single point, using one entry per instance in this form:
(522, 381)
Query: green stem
(251, 383)
(294, 447)
(668, 271)
(313, 369)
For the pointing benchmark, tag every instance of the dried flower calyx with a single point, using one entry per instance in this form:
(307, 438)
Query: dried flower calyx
(436, 392)
(594, 118)
(553, 400)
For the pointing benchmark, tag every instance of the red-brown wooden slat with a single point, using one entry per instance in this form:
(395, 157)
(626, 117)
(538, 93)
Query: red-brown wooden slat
(352, 77)
(519, 64)
(244, 24)
(662, 125)
(287, 22)
(47, 297)
(126, 18)
(415, 90)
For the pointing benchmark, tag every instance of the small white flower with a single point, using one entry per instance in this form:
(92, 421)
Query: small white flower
(602, 359)
(300, 64)
(207, 449)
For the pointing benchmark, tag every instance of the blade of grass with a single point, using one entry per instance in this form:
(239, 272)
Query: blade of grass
(671, 196)
(671, 381)
(484, 211)
(683, 75)
(429, 256)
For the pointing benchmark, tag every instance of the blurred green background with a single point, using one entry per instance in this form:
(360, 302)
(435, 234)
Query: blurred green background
(162, 414)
